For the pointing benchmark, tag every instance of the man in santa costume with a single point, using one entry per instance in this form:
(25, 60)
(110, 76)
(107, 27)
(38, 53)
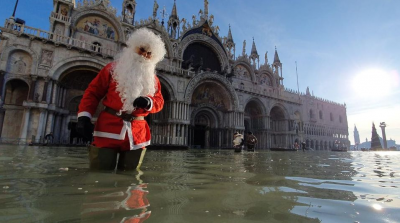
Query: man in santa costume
(130, 91)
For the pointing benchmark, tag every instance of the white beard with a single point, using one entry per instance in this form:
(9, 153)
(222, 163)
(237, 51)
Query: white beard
(135, 76)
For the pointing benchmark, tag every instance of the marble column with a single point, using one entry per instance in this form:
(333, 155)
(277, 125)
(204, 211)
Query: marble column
(50, 120)
(40, 128)
(25, 124)
(45, 88)
(50, 92)
(32, 87)
(55, 91)
(2, 114)
(2, 87)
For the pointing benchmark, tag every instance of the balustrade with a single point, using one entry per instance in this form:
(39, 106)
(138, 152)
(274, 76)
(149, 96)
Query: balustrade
(60, 39)
(61, 17)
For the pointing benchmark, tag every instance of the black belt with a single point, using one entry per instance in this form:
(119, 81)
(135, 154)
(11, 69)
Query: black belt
(124, 116)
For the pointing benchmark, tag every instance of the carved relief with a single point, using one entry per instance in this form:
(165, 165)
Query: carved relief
(242, 72)
(19, 66)
(47, 57)
(264, 79)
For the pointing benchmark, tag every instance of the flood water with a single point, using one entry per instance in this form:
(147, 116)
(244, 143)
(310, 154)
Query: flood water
(43, 184)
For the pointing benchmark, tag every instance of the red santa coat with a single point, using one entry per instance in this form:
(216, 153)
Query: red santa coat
(111, 131)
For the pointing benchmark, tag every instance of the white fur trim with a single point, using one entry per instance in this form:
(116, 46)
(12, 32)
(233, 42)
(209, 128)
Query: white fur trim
(121, 136)
(151, 104)
(84, 113)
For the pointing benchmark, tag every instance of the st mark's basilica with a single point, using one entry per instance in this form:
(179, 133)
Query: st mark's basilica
(209, 92)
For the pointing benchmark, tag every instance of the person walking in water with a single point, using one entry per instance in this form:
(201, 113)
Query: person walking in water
(130, 91)
(251, 141)
(303, 146)
(238, 142)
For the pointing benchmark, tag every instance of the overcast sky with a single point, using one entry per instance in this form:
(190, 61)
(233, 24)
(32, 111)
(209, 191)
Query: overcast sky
(347, 51)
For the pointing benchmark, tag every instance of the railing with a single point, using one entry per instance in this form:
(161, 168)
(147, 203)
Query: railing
(175, 70)
(59, 39)
(61, 17)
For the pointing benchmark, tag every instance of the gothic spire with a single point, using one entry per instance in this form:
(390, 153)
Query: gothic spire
(174, 13)
(253, 48)
(229, 39)
(173, 22)
(276, 57)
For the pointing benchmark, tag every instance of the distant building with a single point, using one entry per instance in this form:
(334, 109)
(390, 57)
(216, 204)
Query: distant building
(356, 137)
(210, 90)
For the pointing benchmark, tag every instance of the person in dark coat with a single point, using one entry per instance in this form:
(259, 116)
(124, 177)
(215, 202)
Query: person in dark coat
(251, 141)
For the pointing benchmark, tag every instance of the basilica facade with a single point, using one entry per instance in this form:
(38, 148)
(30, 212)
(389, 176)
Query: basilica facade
(210, 93)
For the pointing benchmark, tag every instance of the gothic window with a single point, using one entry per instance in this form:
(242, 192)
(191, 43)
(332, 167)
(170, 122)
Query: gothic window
(320, 114)
(331, 117)
(340, 118)
(311, 114)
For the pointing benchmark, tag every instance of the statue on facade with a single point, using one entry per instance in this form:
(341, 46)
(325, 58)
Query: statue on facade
(187, 63)
(183, 22)
(198, 66)
(155, 9)
(205, 8)
(211, 20)
(194, 20)
(244, 48)
(200, 13)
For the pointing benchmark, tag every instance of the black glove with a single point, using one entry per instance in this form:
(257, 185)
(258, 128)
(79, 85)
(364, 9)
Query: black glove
(142, 102)
(85, 128)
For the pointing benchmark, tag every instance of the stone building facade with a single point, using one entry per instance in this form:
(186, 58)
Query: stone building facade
(209, 92)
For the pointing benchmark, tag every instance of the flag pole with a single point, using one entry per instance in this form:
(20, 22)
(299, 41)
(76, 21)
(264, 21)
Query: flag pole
(297, 76)
(15, 8)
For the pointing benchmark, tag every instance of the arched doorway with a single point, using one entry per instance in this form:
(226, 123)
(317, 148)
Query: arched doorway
(204, 130)
(75, 81)
(278, 127)
(16, 92)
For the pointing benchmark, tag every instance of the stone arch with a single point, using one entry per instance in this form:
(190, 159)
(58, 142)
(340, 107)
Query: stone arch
(109, 17)
(214, 117)
(7, 53)
(205, 124)
(254, 113)
(167, 86)
(216, 79)
(279, 123)
(207, 41)
(283, 108)
(269, 81)
(248, 66)
(58, 69)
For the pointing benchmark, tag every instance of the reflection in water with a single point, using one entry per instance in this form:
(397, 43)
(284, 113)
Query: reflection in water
(54, 185)
(116, 203)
